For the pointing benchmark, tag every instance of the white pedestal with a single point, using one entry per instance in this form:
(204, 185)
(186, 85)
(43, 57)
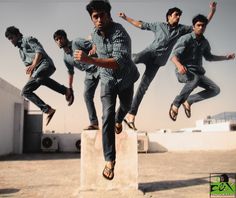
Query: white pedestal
(92, 162)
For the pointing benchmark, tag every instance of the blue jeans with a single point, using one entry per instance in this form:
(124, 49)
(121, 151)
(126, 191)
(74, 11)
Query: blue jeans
(193, 81)
(41, 77)
(111, 116)
(90, 86)
(150, 72)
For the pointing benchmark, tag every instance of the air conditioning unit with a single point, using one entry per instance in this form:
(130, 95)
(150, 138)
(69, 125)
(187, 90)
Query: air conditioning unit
(49, 143)
(78, 145)
(142, 142)
(68, 142)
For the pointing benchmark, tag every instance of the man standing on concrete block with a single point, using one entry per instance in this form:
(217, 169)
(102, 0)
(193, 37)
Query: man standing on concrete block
(92, 74)
(39, 67)
(117, 72)
(187, 57)
(157, 53)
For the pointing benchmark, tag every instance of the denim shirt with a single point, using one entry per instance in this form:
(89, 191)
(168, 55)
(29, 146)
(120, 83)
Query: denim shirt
(28, 47)
(117, 45)
(190, 51)
(86, 46)
(165, 38)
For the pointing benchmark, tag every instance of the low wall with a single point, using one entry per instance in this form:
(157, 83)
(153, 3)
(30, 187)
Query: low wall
(187, 141)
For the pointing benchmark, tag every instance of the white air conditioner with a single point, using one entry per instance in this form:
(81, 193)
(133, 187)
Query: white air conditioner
(49, 143)
(142, 142)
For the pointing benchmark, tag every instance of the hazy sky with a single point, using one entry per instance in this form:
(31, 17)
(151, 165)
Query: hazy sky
(42, 18)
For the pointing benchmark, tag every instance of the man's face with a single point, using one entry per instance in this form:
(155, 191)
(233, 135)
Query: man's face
(199, 28)
(13, 38)
(60, 41)
(174, 18)
(100, 19)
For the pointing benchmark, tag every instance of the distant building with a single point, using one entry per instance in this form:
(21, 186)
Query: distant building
(19, 131)
(222, 122)
(226, 116)
(12, 118)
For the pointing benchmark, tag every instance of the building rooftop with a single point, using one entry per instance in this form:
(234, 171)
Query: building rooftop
(58, 175)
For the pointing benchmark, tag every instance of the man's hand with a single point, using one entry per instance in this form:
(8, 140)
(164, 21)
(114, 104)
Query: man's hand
(79, 55)
(182, 69)
(213, 6)
(92, 51)
(30, 69)
(230, 56)
(122, 15)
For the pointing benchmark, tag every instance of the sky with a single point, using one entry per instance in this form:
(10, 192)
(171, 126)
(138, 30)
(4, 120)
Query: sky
(42, 18)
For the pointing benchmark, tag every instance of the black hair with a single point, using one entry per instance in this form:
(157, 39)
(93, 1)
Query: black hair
(200, 18)
(171, 11)
(99, 5)
(60, 33)
(12, 30)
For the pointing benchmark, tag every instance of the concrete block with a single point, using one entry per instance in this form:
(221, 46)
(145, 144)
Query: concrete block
(142, 142)
(92, 162)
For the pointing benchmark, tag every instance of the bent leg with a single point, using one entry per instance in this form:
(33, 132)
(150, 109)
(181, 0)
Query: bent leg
(144, 56)
(28, 92)
(42, 75)
(125, 97)
(211, 90)
(146, 80)
(186, 91)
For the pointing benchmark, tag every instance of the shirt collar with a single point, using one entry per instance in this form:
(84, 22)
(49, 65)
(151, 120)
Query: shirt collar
(19, 43)
(170, 27)
(108, 29)
(69, 47)
(195, 37)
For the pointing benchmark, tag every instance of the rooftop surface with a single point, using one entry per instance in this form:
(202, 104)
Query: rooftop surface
(161, 175)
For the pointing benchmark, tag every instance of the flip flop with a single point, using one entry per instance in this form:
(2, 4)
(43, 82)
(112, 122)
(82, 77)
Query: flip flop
(92, 127)
(109, 171)
(187, 111)
(173, 114)
(49, 117)
(130, 125)
(118, 129)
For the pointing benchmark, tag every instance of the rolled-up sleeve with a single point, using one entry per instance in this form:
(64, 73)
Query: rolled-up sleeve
(121, 46)
(207, 53)
(35, 45)
(83, 44)
(149, 26)
(179, 47)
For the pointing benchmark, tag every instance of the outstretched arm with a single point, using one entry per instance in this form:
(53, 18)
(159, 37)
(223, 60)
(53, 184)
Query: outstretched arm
(212, 10)
(135, 23)
(220, 58)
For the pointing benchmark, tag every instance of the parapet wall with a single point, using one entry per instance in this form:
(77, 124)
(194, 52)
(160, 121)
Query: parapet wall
(187, 141)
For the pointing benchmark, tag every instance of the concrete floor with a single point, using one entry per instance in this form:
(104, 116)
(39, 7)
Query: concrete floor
(161, 175)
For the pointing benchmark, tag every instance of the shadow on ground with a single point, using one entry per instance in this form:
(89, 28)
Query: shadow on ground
(169, 184)
(40, 156)
(7, 191)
